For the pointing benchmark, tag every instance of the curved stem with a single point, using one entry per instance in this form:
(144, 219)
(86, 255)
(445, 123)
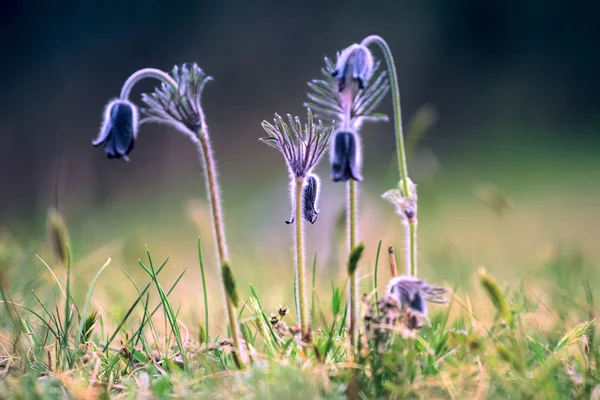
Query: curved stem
(300, 262)
(143, 74)
(353, 279)
(400, 148)
(400, 151)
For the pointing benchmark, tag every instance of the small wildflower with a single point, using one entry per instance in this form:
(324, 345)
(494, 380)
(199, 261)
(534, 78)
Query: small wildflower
(354, 66)
(345, 157)
(406, 206)
(119, 129)
(349, 90)
(412, 294)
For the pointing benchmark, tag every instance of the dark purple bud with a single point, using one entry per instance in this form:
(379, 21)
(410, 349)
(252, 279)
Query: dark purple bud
(345, 157)
(409, 211)
(310, 196)
(119, 129)
(354, 64)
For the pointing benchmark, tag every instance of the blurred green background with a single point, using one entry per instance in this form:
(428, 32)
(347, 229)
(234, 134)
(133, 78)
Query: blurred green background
(508, 175)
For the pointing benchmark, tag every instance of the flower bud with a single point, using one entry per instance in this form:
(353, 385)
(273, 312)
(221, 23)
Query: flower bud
(354, 65)
(310, 196)
(119, 129)
(345, 157)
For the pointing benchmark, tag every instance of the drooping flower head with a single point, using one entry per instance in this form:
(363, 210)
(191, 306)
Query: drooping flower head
(175, 102)
(346, 96)
(345, 157)
(353, 68)
(302, 146)
(119, 129)
(350, 90)
(412, 294)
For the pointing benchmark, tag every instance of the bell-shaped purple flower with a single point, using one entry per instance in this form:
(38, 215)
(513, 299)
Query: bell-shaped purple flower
(119, 129)
(354, 64)
(345, 157)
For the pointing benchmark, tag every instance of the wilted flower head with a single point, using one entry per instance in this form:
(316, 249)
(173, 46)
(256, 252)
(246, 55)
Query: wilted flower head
(346, 157)
(412, 294)
(301, 145)
(405, 205)
(354, 66)
(178, 106)
(119, 129)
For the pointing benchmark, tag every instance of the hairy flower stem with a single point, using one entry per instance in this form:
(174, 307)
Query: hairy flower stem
(353, 278)
(143, 74)
(212, 188)
(411, 230)
(300, 262)
(219, 232)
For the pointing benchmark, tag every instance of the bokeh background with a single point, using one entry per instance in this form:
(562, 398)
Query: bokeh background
(508, 175)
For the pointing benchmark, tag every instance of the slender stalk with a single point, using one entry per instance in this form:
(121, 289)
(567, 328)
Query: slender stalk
(411, 230)
(412, 227)
(300, 262)
(143, 74)
(353, 279)
(212, 188)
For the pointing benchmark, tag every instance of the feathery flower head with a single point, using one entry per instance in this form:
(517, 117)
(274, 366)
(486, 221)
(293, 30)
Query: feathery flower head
(412, 294)
(302, 145)
(354, 67)
(348, 93)
(405, 205)
(119, 129)
(346, 156)
(178, 106)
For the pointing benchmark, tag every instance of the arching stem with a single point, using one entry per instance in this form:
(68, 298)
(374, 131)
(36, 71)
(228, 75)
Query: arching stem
(143, 74)
(411, 231)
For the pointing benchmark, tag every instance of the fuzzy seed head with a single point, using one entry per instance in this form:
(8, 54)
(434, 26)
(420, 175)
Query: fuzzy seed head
(179, 106)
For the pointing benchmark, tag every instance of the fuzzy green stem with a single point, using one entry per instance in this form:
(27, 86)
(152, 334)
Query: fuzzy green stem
(212, 188)
(143, 74)
(353, 278)
(300, 262)
(412, 227)
(400, 149)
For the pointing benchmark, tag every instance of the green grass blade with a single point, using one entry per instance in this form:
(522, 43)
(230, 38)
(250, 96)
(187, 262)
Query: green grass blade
(206, 326)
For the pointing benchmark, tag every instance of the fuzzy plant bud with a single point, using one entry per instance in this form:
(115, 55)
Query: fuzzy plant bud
(310, 197)
(345, 157)
(119, 129)
(58, 236)
(354, 66)
(406, 206)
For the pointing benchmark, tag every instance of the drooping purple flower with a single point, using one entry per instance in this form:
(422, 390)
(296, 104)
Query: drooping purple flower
(119, 129)
(345, 157)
